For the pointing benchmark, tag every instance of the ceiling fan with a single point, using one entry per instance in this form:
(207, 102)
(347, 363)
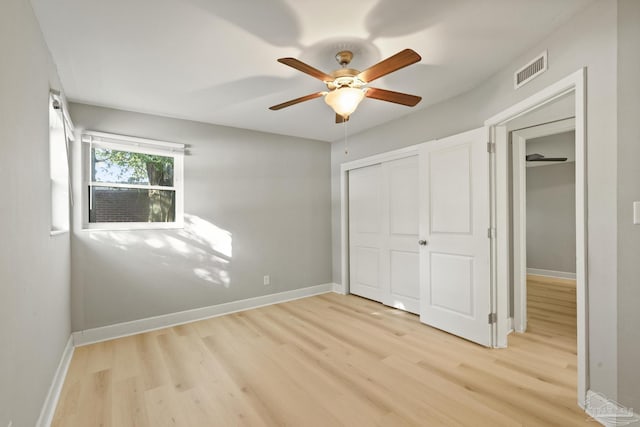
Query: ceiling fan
(347, 87)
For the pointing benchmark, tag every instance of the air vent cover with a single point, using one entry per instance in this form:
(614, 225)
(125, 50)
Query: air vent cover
(530, 71)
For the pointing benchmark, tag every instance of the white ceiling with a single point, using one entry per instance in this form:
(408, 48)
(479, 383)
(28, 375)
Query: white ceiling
(215, 60)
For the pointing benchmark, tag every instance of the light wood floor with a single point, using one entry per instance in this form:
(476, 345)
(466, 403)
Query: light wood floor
(551, 307)
(329, 360)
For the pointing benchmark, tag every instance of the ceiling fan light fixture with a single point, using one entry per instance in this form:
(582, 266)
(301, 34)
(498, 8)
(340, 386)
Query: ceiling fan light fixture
(344, 100)
(347, 86)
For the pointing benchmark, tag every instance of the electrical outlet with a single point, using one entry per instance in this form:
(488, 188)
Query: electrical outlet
(636, 213)
(10, 424)
(266, 280)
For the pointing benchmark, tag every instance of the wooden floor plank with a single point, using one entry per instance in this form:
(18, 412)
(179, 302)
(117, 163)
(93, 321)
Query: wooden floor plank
(331, 360)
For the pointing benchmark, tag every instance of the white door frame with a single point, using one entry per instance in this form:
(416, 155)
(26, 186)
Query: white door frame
(497, 132)
(412, 150)
(518, 142)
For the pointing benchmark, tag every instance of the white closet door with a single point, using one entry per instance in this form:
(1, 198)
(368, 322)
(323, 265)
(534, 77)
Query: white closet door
(401, 285)
(455, 269)
(383, 233)
(365, 232)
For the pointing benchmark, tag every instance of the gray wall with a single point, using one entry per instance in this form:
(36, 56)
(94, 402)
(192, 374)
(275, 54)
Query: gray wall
(34, 267)
(628, 191)
(268, 196)
(551, 217)
(588, 39)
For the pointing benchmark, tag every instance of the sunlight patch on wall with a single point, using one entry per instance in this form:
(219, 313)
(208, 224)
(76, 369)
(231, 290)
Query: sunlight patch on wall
(179, 245)
(201, 249)
(206, 233)
(213, 275)
(155, 243)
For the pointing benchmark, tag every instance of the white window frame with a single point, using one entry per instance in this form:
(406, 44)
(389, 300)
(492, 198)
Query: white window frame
(91, 139)
(60, 191)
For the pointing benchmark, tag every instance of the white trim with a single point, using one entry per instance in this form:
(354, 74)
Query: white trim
(509, 325)
(550, 93)
(149, 148)
(574, 82)
(608, 412)
(51, 401)
(499, 253)
(388, 156)
(519, 209)
(338, 289)
(131, 141)
(344, 229)
(104, 333)
(134, 186)
(412, 150)
(59, 166)
(546, 129)
(581, 234)
(551, 273)
(132, 226)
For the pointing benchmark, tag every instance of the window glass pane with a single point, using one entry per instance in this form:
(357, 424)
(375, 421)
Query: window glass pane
(125, 167)
(114, 204)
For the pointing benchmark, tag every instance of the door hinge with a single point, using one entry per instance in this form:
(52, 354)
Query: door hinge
(491, 147)
(491, 232)
(493, 318)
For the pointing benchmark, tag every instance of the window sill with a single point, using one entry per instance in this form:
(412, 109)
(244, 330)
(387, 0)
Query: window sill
(132, 226)
(54, 233)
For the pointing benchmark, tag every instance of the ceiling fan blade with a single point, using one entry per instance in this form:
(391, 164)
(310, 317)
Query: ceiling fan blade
(389, 65)
(391, 96)
(340, 119)
(308, 69)
(297, 101)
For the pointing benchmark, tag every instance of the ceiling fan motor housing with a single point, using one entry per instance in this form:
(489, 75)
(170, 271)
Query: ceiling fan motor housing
(344, 57)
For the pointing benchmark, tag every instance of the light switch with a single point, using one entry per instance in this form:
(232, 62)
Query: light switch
(636, 213)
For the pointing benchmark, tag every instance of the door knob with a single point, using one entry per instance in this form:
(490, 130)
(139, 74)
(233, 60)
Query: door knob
(422, 242)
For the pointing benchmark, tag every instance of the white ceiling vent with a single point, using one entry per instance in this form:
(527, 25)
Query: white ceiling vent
(530, 71)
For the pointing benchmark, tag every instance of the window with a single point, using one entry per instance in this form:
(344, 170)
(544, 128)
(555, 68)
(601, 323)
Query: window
(132, 183)
(59, 131)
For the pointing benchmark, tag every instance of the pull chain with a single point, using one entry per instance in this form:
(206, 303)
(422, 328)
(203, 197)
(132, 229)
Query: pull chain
(346, 149)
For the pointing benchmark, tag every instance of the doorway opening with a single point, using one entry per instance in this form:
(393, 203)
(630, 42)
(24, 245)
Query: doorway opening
(542, 299)
(547, 107)
(543, 216)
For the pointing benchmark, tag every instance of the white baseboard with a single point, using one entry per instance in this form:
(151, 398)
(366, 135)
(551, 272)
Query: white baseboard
(551, 273)
(608, 412)
(104, 333)
(338, 289)
(51, 401)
